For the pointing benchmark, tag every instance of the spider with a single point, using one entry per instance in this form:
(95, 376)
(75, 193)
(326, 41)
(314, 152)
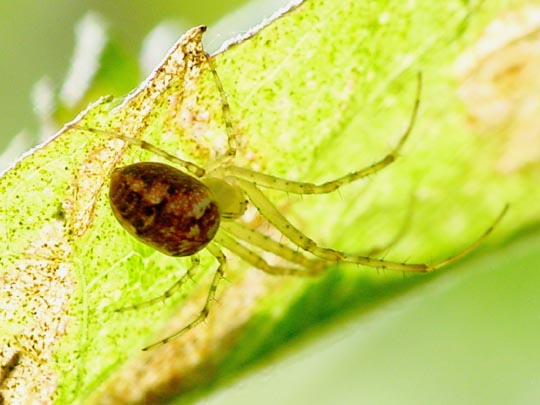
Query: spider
(180, 212)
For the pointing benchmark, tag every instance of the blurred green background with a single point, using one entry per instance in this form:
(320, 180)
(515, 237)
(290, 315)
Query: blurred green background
(468, 336)
(37, 39)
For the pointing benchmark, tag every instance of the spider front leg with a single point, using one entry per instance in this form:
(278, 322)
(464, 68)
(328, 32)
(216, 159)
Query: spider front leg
(232, 141)
(297, 187)
(191, 167)
(203, 314)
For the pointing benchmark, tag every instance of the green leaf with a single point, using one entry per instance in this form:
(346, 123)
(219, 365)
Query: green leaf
(323, 90)
(470, 333)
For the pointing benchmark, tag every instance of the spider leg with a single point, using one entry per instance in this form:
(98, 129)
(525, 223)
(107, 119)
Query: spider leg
(178, 284)
(274, 216)
(189, 166)
(203, 314)
(255, 238)
(257, 261)
(398, 235)
(297, 187)
(225, 108)
(473, 245)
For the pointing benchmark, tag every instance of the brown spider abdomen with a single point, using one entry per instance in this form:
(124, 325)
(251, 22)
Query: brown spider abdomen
(164, 208)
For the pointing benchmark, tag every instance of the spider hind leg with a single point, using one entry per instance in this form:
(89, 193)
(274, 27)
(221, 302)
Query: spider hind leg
(188, 276)
(297, 237)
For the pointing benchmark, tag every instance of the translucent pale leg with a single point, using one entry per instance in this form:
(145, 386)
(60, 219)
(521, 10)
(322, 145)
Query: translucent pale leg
(181, 281)
(203, 314)
(274, 216)
(267, 244)
(377, 250)
(264, 242)
(189, 166)
(257, 261)
(297, 187)
(225, 108)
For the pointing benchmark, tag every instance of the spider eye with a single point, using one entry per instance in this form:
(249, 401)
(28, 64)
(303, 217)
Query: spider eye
(164, 207)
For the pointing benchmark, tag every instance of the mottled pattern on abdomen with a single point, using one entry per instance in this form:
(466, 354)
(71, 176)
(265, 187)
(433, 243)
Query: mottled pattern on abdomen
(164, 207)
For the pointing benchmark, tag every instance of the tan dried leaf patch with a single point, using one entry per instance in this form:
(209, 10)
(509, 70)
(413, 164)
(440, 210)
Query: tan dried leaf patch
(500, 86)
